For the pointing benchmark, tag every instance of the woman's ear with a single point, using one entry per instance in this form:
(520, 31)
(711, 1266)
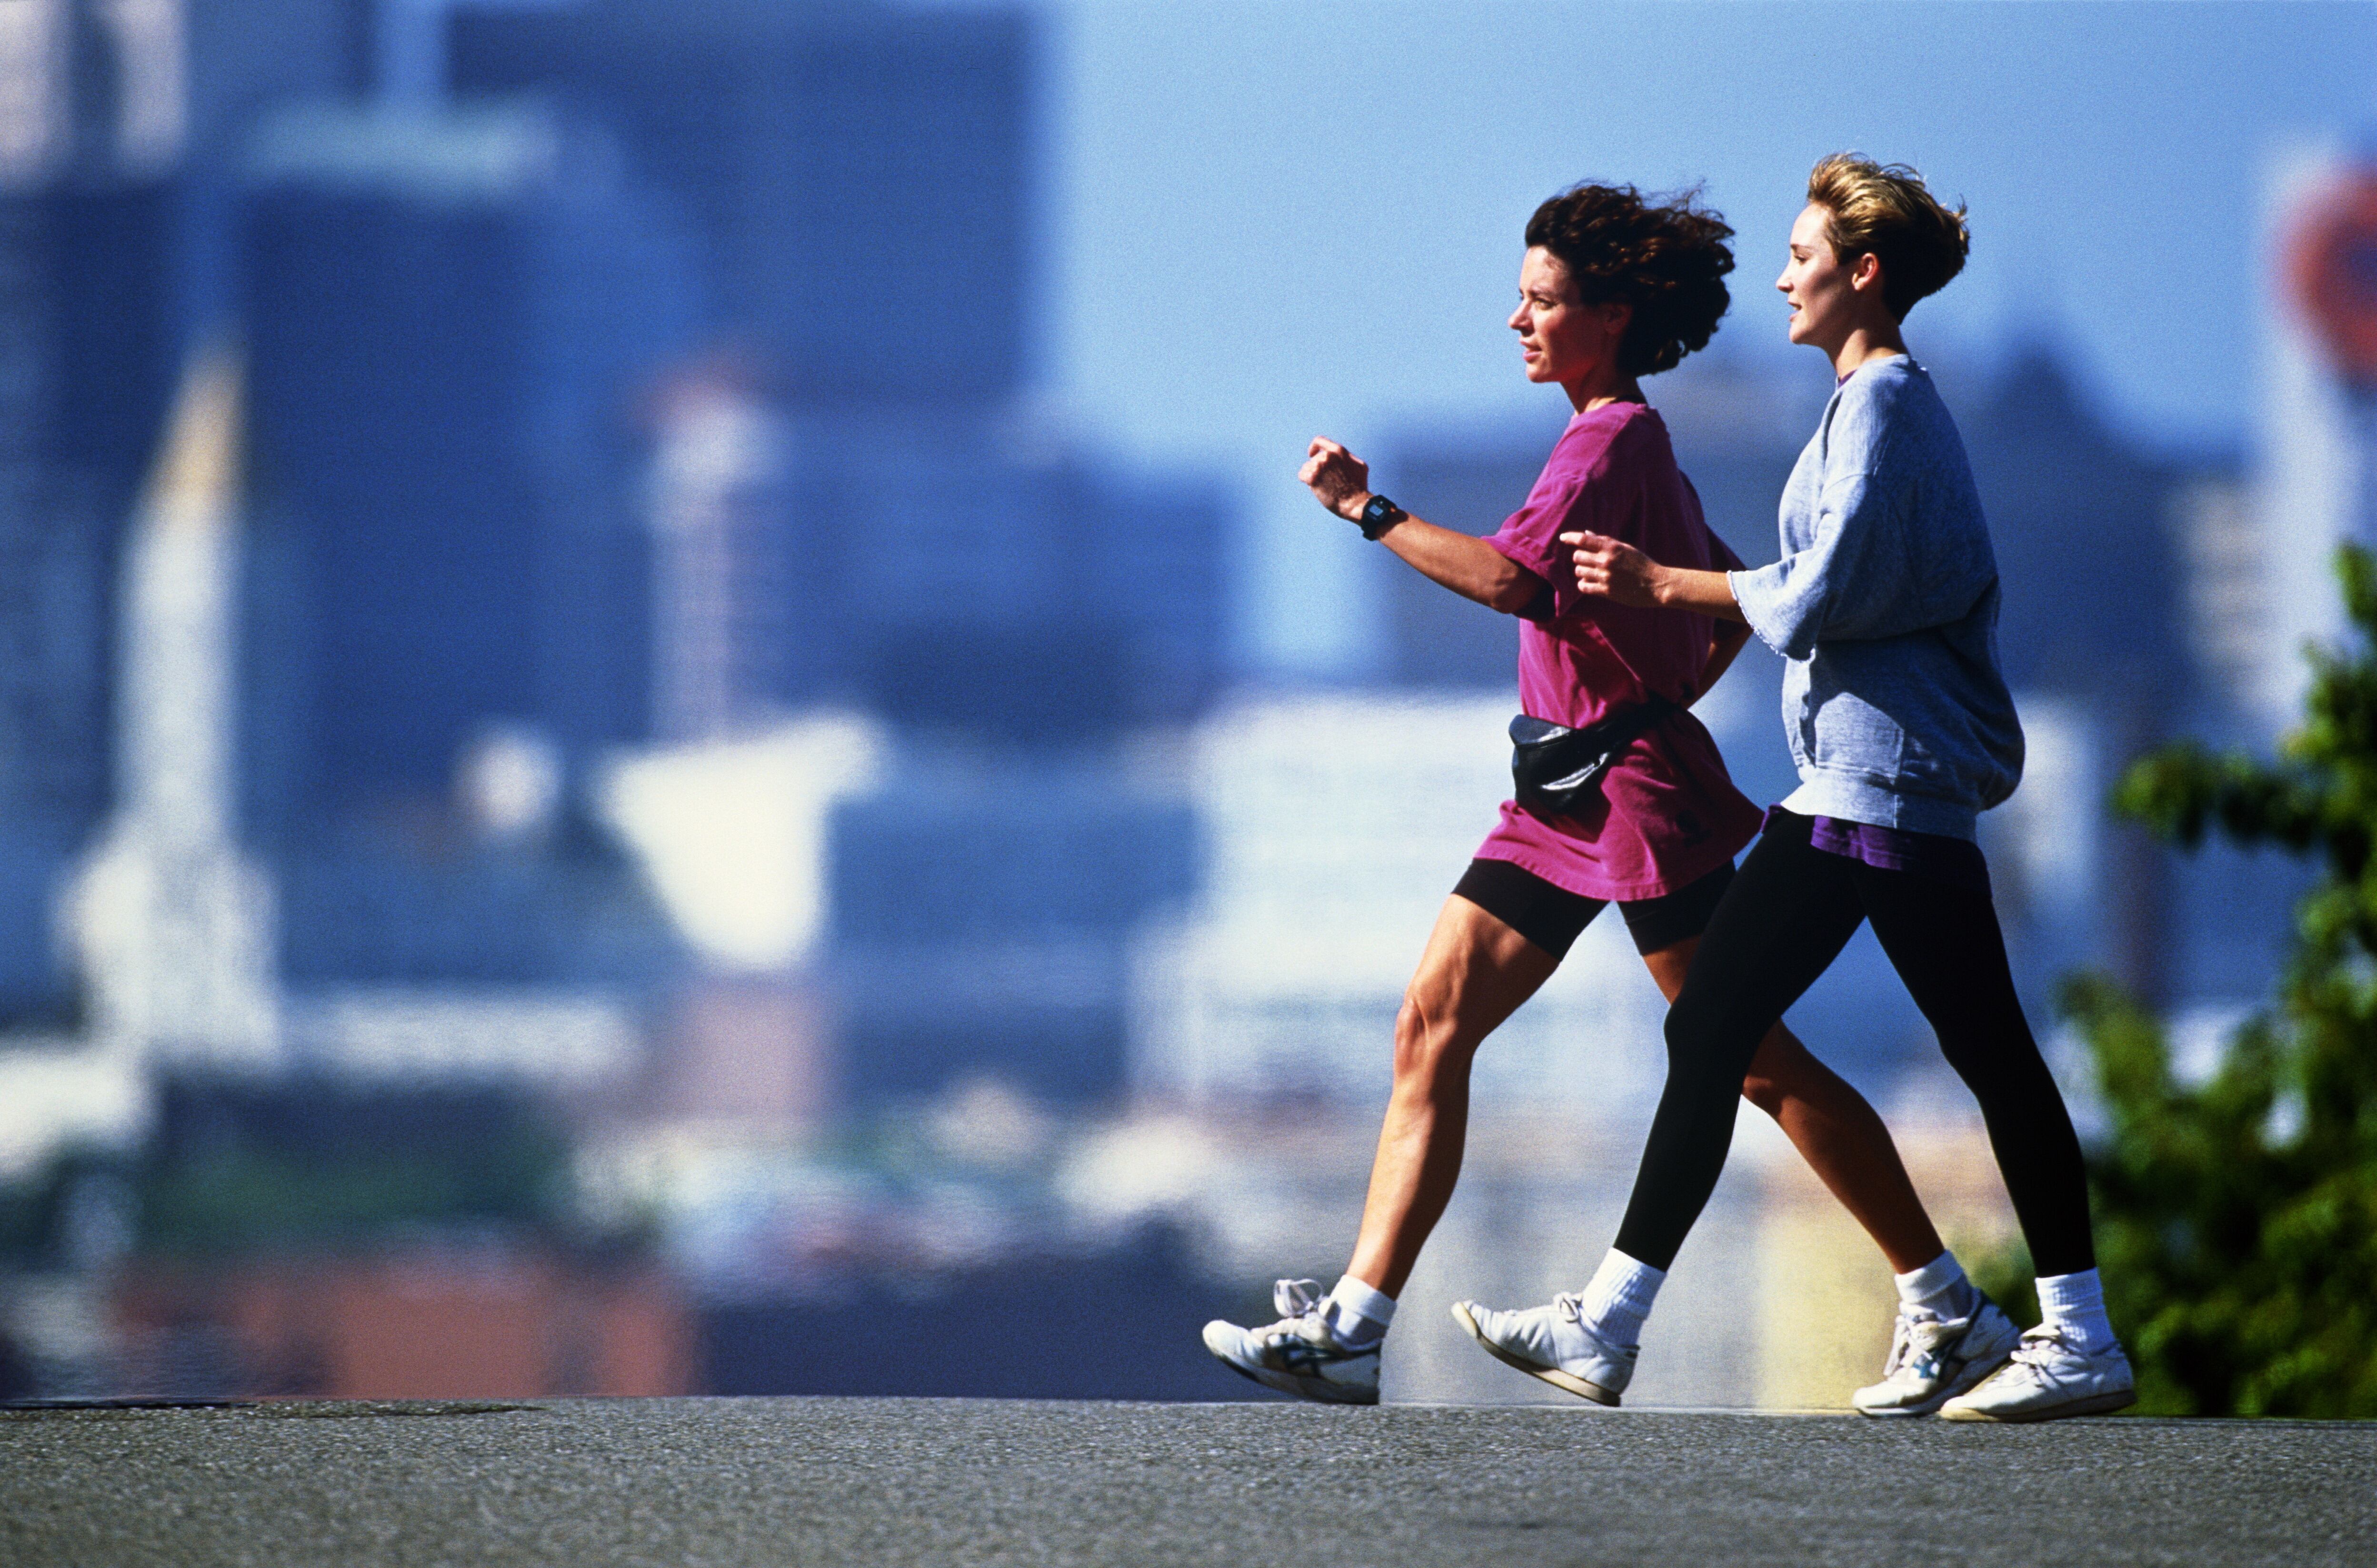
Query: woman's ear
(1865, 273)
(1617, 315)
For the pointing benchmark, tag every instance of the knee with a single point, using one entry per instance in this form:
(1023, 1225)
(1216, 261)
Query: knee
(1781, 1069)
(1691, 1028)
(1427, 1043)
(2002, 1061)
(1701, 1044)
(1762, 1091)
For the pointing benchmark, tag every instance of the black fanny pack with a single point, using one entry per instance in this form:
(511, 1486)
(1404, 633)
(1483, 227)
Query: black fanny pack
(1557, 770)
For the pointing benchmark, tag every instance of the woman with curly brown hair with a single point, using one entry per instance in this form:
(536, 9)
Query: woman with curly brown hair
(1612, 289)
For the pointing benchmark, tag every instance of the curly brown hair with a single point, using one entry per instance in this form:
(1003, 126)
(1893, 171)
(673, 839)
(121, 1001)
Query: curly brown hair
(1887, 211)
(1667, 258)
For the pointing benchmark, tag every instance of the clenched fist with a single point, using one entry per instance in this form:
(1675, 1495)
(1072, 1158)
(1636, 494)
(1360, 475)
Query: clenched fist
(1339, 479)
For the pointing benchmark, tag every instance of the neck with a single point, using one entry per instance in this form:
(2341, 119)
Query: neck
(1878, 340)
(1598, 391)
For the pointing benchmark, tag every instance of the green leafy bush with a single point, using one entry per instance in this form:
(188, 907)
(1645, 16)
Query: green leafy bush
(2236, 1218)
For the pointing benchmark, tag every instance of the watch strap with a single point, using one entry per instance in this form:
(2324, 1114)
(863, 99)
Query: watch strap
(1379, 515)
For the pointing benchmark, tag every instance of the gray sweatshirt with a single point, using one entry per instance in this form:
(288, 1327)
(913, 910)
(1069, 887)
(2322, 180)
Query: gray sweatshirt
(1886, 604)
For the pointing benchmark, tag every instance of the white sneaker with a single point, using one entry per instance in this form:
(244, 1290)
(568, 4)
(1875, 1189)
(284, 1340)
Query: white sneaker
(2048, 1380)
(1933, 1359)
(1552, 1343)
(1298, 1355)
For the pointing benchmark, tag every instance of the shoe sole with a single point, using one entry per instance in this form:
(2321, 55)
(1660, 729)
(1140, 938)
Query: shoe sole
(1901, 1412)
(1565, 1382)
(2094, 1405)
(1318, 1391)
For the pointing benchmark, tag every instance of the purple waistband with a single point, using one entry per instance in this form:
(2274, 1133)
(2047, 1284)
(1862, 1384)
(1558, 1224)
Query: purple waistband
(1957, 861)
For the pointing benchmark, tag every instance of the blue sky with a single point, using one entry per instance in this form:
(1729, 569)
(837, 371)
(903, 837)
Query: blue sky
(1270, 220)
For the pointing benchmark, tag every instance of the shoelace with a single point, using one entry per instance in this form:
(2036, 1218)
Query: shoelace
(1916, 1337)
(2035, 1349)
(1570, 1304)
(1901, 1342)
(1295, 1301)
(1295, 1298)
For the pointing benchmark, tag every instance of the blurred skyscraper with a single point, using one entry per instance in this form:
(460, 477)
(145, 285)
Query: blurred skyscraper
(862, 180)
(449, 310)
(717, 499)
(861, 173)
(91, 132)
(2316, 435)
(175, 927)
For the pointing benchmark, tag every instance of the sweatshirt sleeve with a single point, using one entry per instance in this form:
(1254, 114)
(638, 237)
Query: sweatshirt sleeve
(1865, 575)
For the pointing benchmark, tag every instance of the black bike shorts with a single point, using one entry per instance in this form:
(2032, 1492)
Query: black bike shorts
(1552, 917)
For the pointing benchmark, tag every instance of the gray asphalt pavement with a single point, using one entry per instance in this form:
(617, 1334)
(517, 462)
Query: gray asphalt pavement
(710, 1483)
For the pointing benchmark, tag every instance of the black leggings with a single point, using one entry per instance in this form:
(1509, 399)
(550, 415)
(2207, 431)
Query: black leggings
(1790, 911)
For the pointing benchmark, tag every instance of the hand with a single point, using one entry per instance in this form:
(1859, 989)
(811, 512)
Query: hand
(1610, 568)
(1337, 478)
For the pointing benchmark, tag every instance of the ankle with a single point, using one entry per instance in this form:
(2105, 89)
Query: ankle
(1617, 1302)
(1356, 1314)
(2074, 1304)
(1938, 1288)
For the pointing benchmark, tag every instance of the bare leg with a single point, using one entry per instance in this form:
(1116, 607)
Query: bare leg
(1474, 973)
(1832, 1126)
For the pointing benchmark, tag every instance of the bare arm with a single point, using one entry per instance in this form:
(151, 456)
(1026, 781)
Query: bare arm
(1613, 569)
(1466, 564)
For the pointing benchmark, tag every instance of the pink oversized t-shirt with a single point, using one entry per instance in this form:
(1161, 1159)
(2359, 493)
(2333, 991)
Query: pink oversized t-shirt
(1668, 814)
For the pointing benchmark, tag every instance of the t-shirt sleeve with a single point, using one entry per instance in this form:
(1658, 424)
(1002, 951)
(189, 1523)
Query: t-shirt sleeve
(1530, 538)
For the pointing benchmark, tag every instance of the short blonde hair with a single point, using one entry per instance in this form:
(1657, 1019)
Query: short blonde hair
(1887, 211)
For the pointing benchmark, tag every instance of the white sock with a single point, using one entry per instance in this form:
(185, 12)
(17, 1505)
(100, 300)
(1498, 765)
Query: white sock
(1938, 1288)
(2076, 1304)
(1620, 1299)
(1356, 1314)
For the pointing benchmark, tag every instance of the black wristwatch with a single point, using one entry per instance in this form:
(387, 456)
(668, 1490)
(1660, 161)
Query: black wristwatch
(1379, 515)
